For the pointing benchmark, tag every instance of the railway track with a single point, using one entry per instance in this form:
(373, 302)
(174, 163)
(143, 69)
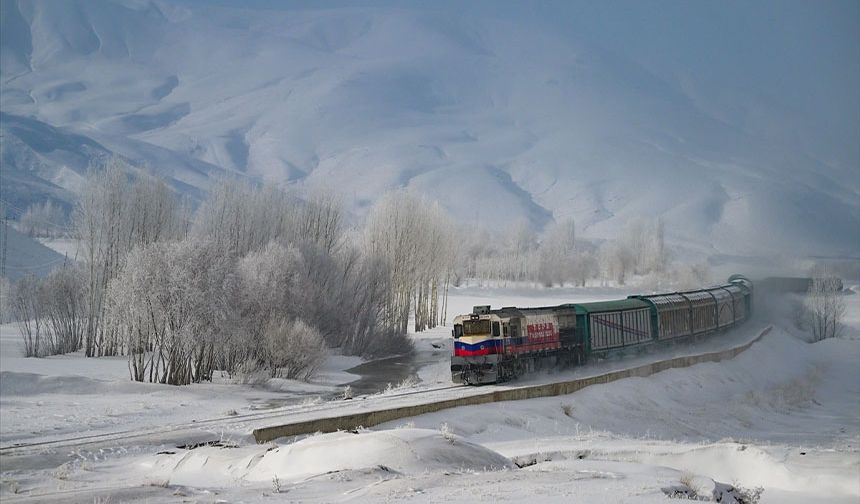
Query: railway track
(20, 449)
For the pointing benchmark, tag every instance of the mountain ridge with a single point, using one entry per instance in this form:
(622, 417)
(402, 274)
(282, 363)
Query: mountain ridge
(498, 120)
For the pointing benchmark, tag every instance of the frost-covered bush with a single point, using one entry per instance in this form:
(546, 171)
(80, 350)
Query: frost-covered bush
(50, 311)
(267, 284)
(294, 350)
(28, 313)
(825, 308)
(173, 304)
(63, 299)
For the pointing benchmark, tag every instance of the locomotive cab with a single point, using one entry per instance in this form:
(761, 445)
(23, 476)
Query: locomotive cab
(478, 344)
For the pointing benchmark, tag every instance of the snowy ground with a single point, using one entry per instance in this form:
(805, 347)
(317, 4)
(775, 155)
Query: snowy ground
(783, 415)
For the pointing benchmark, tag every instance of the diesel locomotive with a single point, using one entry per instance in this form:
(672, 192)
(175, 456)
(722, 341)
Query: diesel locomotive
(492, 346)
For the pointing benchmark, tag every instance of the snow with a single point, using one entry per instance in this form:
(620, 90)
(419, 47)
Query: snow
(65, 395)
(405, 451)
(67, 247)
(782, 415)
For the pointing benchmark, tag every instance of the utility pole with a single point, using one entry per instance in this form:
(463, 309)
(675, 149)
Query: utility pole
(5, 242)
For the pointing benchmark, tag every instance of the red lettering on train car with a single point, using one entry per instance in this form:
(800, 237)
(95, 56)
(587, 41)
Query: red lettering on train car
(544, 331)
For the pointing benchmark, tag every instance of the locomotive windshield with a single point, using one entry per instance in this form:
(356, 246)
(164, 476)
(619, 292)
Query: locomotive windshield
(471, 327)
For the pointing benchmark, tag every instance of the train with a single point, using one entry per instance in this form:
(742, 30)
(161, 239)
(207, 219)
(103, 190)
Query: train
(494, 346)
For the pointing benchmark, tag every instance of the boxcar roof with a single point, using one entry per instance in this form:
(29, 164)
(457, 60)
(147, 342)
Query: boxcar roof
(605, 306)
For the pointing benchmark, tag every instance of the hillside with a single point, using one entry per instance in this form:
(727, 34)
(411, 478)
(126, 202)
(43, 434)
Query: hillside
(23, 255)
(499, 118)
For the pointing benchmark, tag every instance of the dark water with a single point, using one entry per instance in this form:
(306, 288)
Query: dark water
(378, 374)
(375, 375)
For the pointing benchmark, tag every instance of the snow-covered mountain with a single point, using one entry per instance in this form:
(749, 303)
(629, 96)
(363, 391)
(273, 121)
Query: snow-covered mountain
(498, 114)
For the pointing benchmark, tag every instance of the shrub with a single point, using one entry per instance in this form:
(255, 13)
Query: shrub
(294, 350)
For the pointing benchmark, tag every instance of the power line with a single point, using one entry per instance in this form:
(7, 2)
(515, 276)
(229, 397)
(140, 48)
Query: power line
(37, 266)
(20, 213)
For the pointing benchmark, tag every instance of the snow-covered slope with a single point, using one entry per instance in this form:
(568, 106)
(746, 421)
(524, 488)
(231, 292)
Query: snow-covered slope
(23, 255)
(498, 118)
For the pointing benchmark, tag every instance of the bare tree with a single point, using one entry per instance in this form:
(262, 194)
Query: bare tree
(28, 314)
(825, 305)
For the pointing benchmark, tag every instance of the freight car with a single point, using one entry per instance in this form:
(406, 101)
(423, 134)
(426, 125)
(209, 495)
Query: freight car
(492, 346)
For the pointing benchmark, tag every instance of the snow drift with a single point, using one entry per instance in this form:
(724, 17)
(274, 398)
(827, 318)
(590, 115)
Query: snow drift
(405, 451)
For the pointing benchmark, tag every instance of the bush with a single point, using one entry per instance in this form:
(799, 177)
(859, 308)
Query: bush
(294, 350)
(63, 299)
(825, 306)
(28, 313)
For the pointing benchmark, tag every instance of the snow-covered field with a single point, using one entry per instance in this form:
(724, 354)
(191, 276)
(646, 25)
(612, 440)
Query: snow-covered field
(782, 415)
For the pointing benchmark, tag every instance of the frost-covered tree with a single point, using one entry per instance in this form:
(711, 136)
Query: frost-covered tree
(616, 261)
(364, 295)
(414, 239)
(174, 304)
(825, 306)
(644, 240)
(319, 220)
(242, 218)
(44, 219)
(585, 266)
(557, 253)
(523, 237)
(114, 214)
